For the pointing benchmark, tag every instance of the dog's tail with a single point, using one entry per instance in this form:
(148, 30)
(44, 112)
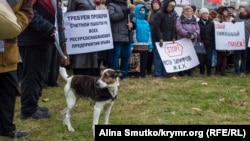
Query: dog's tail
(63, 73)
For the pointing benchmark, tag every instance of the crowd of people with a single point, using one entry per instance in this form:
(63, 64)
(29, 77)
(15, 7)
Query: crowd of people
(136, 27)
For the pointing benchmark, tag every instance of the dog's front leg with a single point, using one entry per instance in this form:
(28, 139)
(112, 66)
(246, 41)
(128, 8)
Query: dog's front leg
(97, 111)
(71, 101)
(107, 110)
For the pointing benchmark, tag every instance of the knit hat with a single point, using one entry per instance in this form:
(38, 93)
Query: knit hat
(186, 7)
(213, 14)
(203, 10)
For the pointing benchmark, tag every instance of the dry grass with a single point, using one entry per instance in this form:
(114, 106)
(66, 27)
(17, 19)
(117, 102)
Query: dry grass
(184, 100)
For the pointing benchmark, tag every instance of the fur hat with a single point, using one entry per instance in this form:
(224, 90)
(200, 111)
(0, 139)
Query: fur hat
(203, 10)
(213, 14)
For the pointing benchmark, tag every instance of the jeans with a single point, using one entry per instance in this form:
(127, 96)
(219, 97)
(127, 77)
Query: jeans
(159, 69)
(123, 51)
(240, 61)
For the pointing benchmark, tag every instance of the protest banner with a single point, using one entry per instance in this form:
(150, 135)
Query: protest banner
(87, 31)
(230, 36)
(178, 56)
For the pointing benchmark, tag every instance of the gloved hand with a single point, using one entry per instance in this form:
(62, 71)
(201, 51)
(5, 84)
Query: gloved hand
(188, 35)
(65, 62)
(173, 40)
(161, 43)
(233, 21)
(126, 11)
(220, 21)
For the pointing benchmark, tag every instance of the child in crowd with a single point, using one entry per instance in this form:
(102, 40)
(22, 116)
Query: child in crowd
(142, 37)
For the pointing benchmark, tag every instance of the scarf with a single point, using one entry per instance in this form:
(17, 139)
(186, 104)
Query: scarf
(191, 20)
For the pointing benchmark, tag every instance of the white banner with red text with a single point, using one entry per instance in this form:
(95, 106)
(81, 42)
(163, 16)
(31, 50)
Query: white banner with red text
(178, 56)
(230, 36)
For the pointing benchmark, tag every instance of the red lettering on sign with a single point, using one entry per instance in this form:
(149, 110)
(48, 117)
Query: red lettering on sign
(173, 49)
(236, 43)
(220, 26)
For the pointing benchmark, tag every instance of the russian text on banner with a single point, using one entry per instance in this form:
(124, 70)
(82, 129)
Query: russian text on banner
(178, 56)
(87, 31)
(230, 36)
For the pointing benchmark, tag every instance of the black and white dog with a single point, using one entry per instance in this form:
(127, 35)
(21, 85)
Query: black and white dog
(102, 90)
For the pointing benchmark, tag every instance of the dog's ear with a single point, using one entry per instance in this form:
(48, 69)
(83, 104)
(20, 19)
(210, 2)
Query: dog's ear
(102, 70)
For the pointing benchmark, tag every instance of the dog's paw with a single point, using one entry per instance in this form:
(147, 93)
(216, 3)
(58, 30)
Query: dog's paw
(71, 129)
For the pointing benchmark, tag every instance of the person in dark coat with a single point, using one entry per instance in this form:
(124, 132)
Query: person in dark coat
(155, 6)
(85, 63)
(122, 28)
(164, 30)
(35, 44)
(240, 57)
(207, 36)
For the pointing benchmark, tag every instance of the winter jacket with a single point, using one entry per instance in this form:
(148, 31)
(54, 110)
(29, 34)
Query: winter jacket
(119, 21)
(246, 20)
(207, 33)
(41, 27)
(9, 58)
(186, 27)
(221, 18)
(164, 23)
(142, 34)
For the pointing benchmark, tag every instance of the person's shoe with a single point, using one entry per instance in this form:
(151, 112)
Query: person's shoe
(37, 115)
(44, 109)
(15, 134)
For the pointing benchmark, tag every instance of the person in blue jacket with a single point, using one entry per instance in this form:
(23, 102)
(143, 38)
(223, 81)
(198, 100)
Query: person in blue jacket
(142, 37)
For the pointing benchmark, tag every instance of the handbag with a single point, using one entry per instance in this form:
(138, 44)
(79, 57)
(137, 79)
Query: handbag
(199, 47)
(9, 26)
(214, 58)
(134, 62)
